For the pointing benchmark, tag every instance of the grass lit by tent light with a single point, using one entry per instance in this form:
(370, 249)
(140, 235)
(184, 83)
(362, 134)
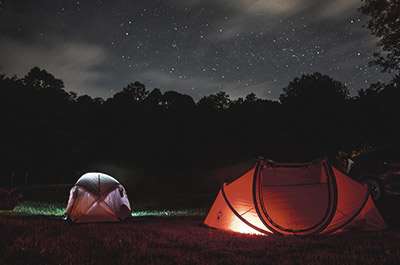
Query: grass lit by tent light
(174, 213)
(30, 208)
(39, 208)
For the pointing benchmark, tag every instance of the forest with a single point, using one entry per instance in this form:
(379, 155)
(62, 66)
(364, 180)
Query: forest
(51, 136)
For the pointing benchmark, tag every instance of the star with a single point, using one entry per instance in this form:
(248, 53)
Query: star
(210, 42)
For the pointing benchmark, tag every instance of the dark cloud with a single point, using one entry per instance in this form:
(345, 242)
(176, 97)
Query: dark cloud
(75, 63)
(193, 46)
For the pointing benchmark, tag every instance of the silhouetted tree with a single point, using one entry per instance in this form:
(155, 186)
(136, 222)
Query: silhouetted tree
(98, 100)
(316, 109)
(132, 93)
(85, 100)
(366, 110)
(250, 98)
(219, 101)
(376, 110)
(371, 93)
(390, 106)
(42, 80)
(47, 85)
(315, 89)
(154, 98)
(384, 24)
(177, 101)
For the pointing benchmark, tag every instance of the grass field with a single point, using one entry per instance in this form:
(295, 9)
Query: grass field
(174, 237)
(32, 208)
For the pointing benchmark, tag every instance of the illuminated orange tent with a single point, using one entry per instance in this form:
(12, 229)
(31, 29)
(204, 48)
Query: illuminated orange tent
(294, 199)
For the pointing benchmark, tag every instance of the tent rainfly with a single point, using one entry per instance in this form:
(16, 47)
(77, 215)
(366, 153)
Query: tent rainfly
(97, 197)
(294, 199)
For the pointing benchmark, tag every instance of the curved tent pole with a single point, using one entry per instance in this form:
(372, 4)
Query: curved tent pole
(258, 165)
(98, 185)
(367, 194)
(238, 215)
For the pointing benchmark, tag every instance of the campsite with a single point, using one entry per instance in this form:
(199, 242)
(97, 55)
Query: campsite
(199, 132)
(158, 236)
(172, 240)
(171, 233)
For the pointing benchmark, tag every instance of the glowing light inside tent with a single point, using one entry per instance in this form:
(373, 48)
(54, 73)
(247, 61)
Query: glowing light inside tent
(240, 227)
(237, 225)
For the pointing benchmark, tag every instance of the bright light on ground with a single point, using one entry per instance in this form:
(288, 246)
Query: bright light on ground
(39, 208)
(58, 209)
(184, 212)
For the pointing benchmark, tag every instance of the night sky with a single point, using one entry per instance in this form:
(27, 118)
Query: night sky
(196, 47)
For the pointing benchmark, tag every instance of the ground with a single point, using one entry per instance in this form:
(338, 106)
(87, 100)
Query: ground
(36, 234)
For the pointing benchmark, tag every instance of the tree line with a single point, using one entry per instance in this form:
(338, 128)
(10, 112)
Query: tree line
(51, 135)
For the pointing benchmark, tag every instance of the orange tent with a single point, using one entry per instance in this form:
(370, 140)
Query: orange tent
(294, 199)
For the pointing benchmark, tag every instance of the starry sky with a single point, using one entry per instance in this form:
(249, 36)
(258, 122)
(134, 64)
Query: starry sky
(196, 47)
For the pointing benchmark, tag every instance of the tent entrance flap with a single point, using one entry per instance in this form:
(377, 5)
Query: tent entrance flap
(298, 200)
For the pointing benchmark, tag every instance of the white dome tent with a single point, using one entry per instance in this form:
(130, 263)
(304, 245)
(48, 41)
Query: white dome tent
(97, 197)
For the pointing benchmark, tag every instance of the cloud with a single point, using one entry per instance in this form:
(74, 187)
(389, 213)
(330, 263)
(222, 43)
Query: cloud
(80, 66)
(251, 6)
(75, 63)
(226, 31)
(321, 8)
(340, 8)
(275, 7)
(194, 86)
(241, 17)
(262, 89)
(199, 86)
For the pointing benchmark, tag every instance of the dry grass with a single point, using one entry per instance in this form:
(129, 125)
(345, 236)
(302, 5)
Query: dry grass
(180, 240)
